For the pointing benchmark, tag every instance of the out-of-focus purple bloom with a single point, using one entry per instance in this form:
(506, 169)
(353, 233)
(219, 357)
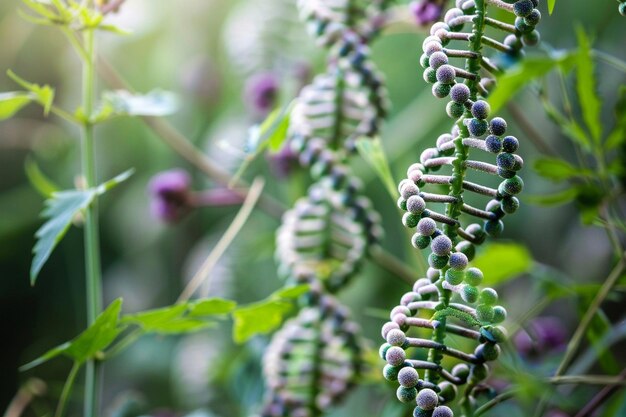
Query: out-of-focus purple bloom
(261, 92)
(556, 413)
(171, 195)
(426, 12)
(283, 162)
(543, 334)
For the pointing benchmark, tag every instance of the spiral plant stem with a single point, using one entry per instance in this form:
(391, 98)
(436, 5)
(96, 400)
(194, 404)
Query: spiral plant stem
(91, 233)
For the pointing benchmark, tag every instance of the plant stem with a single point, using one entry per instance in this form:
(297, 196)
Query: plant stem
(67, 389)
(92, 244)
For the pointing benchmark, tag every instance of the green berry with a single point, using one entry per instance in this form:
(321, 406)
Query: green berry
(473, 276)
(382, 352)
(487, 296)
(430, 75)
(402, 203)
(493, 144)
(391, 372)
(531, 38)
(461, 371)
(521, 25)
(494, 228)
(497, 126)
(454, 109)
(523, 8)
(509, 204)
(458, 261)
(481, 109)
(424, 61)
(477, 127)
(478, 372)
(506, 160)
(487, 351)
(406, 395)
(441, 90)
(410, 220)
(533, 18)
(447, 391)
(469, 294)
(454, 277)
(511, 186)
(510, 144)
(420, 241)
(466, 248)
(419, 412)
(484, 313)
(622, 9)
(437, 261)
(499, 314)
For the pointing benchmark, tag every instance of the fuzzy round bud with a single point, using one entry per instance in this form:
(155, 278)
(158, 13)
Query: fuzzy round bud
(510, 144)
(484, 313)
(477, 231)
(396, 337)
(420, 241)
(439, 25)
(513, 41)
(440, 90)
(493, 144)
(426, 226)
(441, 245)
(401, 203)
(458, 261)
(531, 38)
(437, 59)
(430, 47)
(406, 395)
(447, 391)
(469, 294)
(446, 74)
(390, 373)
(451, 15)
(442, 411)
(522, 26)
(432, 274)
(382, 351)
(499, 314)
(424, 61)
(409, 189)
(487, 351)
(477, 127)
(408, 377)
(622, 9)
(395, 356)
(460, 93)
(510, 204)
(511, 186)
(410, 220)
(523, 8)
(487, 296)
(454, 110)
(430, 75)
(506, 173)
(437, 261)
(473, 276)
(533, 18)
(454, 277)
(415, 204)
(499, 334)
(494, 228)
(427, 399)
(418, 412)
(427, 154)
(466, 248)
(481, 109)
(497, 126)
(505, 160)
(461, 371)
(387, 327)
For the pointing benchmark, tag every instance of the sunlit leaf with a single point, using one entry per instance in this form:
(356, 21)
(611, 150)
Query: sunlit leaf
(211, 307)
(586, 86)
(501, 262)
(153, 320)
(551, 4)
(115, 181)
(86, 345)
(154, 103)
(43, 94)
(371, 150)
(11, 103)
(558, 169)
(258, 318)
(527, 70)
(60, 211)
(292, 292)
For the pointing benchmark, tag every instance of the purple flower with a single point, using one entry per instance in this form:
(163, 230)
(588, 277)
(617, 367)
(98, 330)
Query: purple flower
(171, 195)
(426, 12)
(543, 335)
(283, 162)
(261, 92)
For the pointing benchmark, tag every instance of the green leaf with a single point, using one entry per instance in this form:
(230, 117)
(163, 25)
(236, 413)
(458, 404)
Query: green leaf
(528, 70)
(44, 94)
(155, 103)
(275, 128)
(60, 210)
(211, 307)
(11, 103)
(86, 345)
(501, 262)
(586, 86)
(569, 126)
(559, 170)
(114, 29)
(292, 291)
(38, 179)
(554, 199)
(115, 181)
(258, 318)
(618, 135)
(153, 320)
(371, 150)
(551, 4)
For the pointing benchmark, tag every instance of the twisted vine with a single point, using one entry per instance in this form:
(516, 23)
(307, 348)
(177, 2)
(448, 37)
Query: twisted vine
(450, 294)
(314, 360)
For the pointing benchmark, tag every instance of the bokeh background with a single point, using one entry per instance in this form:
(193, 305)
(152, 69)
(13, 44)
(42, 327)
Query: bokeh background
(205, 51)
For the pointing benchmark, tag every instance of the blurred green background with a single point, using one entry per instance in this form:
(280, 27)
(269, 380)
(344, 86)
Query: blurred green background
(204, 50)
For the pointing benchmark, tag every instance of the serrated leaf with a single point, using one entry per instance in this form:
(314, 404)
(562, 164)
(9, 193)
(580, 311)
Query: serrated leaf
(86, 345)
(551, 4)
(371, 150)
(12, 102)
(559, 170)
(155, 103)
(586, 86)
(501, 262)
(60, 211)
(211, 307)
(258, 318)
(528, 70)
(39, 180)
(554, 199)
(292, 292)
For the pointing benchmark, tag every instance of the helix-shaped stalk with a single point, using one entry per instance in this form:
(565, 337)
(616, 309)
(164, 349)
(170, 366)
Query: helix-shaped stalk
(449, 296)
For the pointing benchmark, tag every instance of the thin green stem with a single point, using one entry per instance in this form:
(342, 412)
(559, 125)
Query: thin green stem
(124, 343)
(67, 389)
(92, 240)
